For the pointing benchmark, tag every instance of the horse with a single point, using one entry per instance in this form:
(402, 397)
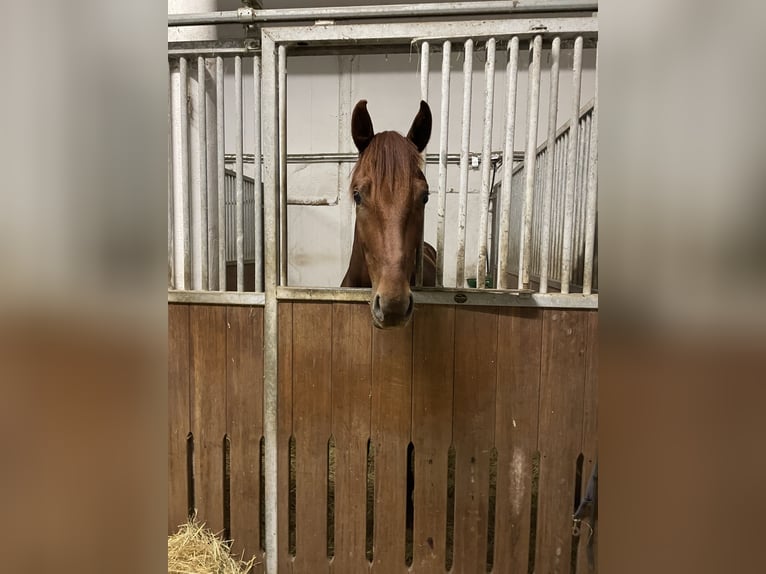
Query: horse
(390, 192)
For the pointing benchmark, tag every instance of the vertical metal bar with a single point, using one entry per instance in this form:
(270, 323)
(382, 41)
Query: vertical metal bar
(486, 153)
(270, 325)
(465, 142)
(219, 108)
(512, 70)
(202, 138)
(239, 203)
(590, 209)
(181, 197)
(566, 249)
(257, 174)
(282, 78)
(171, 251)
(530, 157)
(424, 63)
(551, 142)
(443, 133)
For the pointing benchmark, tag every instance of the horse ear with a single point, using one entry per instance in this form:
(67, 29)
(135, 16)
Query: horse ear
(420, 131)
(361, 126)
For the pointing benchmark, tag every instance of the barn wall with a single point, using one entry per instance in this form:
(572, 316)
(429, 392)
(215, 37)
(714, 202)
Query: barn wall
(496, 387)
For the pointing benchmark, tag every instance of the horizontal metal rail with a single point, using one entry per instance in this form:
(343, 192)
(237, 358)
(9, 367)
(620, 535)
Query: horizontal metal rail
(453, 158)
(443, 296)
(253, 16)
(217, 297)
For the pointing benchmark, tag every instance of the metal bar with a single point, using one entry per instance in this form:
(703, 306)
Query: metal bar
(220, 121)
(282, 87)
(427, 296)
(181, 197)
(425, 53)
(171, 210)
(549, 164)
(464, 144)
(322, 36)
(239, 192)
(533, 103)
(202, 138)
(443, 133)
(489, 98)
(512, 70)
(250, 15)
(566, 250)
(270, 324)
(334, 157)
(591, 201)
(216, 298)
(257, 174)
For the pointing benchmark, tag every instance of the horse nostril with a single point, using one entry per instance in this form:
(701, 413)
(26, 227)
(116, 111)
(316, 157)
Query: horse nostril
(409, 307)
(376, 310)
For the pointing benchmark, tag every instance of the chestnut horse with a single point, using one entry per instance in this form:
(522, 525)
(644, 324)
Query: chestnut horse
(390, 192)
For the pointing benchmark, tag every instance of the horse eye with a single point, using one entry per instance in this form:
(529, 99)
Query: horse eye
(425, 198)
(357, 198)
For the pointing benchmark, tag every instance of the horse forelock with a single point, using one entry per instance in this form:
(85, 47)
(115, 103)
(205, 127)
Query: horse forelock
(391, 161)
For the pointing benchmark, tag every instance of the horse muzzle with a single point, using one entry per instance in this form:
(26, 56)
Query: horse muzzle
(391, 312)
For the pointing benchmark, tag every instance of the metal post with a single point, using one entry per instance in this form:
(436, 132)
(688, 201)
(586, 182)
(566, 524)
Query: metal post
(201, 238)
(510, 127)
(257, 174)
(590, 214)
(464, 148)
(533, 104)
(181, 187)
(443, 133)
(566, 249)
(486, 150)
(270, 324)
(282, 78)
(424, 62)
(239, 192)
(549, 164)
(171, 254)
(219, 103)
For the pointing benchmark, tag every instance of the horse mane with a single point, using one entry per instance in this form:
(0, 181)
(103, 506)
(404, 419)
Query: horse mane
(395, 160)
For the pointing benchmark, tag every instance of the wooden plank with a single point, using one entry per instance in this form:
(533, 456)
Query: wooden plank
(473, 431)
(208, 380)
(244, 417)
(590, 434)
(284, 430)
(391, 411)
(433, 359)
(312, 369)
(516, 421)
(178, 415)
(560, 439)
(351, 349)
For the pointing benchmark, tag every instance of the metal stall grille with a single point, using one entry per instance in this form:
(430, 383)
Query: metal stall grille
(215, 219)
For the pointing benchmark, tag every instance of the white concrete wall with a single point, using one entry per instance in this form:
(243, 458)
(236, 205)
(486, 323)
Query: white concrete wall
(320, 100)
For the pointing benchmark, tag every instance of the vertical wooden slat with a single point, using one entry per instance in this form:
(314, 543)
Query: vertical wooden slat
(433, 357)
(473, 430)
(590, 431)
(516, 422)
(312, 354)
(178, 414)
(391, 410)
(284, 424)
(351, 348)
(208, 380)
(244, 417)
(561, 417)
